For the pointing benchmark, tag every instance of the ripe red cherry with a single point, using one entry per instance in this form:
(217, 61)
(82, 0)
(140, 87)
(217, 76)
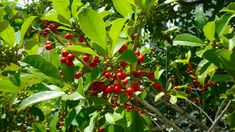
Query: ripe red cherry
(136, 36)
(45, 33)
(65, 53)
(121, 75)
(77, 75)
(203, 88)
(109, 89)
(135, 86)
(81, 39)
(63, 60)
(117, 89)
(114, 76)
(123, 48)
(125, 82)
(69, 63)
(48, 46)
(86, 57)
(101, 85)
(141, 58)
(70, 57)
(123, 63)
(129, 91)
(156, 86)
(107, 75)
(53, 27)
(68, 36)
(139, 72)
(96, 59)
(101, 130)
(137, 53)
(129, 107)
(119, 70)
(150, 75)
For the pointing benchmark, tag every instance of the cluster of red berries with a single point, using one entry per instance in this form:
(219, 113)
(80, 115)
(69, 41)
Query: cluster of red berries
(67, 58)
(49, 45)
(48, 25)
(92, 62)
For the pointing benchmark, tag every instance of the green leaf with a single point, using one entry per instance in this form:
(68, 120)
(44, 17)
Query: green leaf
(71, 116)
(128, 55)
(37, 127)
(68, 72)
(93, 26)
(54, 121)
(116, 30)
(73, 96)
(200, 17)
(209, 30)
(137, 124)
(173, 99)
(39, 97)
(61, 8)
(188, 40)
(158, 96)
(222, 24)
(231, 120)
(25, 27)
(123, 7)
(56, 18)
(230, 8)
(38, 62)
(7, 86)
(222, 78)
(74, 8)
(109, 118)
(81, 49)
(7, 33)
(91, 125)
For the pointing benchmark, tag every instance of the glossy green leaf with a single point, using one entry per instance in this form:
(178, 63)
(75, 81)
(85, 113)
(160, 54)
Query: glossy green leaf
(209, 30)
(53, 122)
(93, 26)
(37, 127)
(128, 55)
(116, 30)
(7, 33)
(61, 8)
(222, 78)
(7, 86)
(74, 8)
(38, 62)
(231, 120)
(158, 96)
(56, 18)
(72, 115)
(68, 73)
(73, 96)
(25, 27)
(39, 97)
(230, 8)
(123, 7)
(109, 118)
(137, 124)
(223, 22)
(188, 40)
(91, 125)
(200, 17)
(81, 49)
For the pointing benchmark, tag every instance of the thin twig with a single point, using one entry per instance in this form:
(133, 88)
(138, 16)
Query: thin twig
(220, 107)
(218, 118)
(161, 117)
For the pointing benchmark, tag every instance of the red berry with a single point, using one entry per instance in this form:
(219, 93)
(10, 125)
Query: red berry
(93, 64)
(69, 43)
(86, 57)
(203, 88)
(63, 60)
(150, 75)
(68, 36)
(101, 85)
(69, 63)
(70, 57)
(139, 72)
(77, 75)
(45, 33)
(136, 36)
(141, 58)
(135, 86)
(81, 39)
(156, 86)
(123, 48)
(101, 130)
(125, 82)
(96, 59)
(137, 53)
(48, 46)
(114, 76)
(129, 91)
(129, 107)
(109, 89)
(65, 53)
(107, 75)
(119, 70)
(123, 63)
(117, 89)
(121, 75)
(53, 27)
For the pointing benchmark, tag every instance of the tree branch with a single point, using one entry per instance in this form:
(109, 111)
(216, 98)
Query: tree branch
(161, 117)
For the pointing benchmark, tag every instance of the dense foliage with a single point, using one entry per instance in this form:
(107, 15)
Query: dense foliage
(117, 65)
